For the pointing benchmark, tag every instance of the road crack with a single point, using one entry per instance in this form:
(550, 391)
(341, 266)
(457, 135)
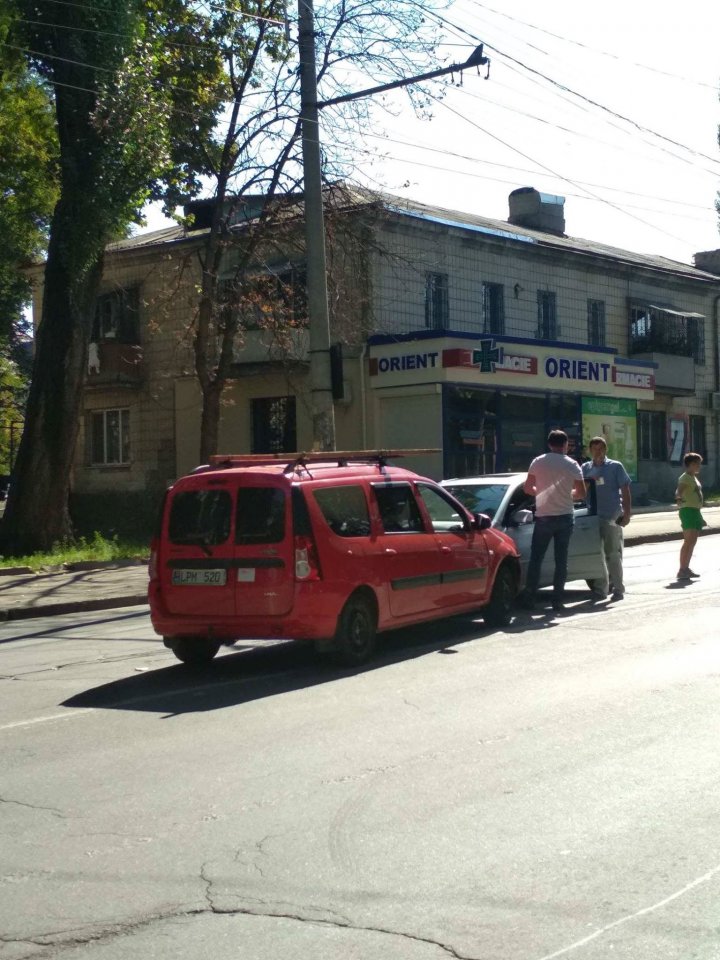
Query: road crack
(32, 806)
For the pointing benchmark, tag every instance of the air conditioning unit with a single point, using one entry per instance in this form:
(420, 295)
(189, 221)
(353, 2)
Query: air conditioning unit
(715, 402)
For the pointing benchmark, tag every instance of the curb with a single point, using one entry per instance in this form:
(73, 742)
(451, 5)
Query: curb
(140, 599)
(72, 606)
(663, 537)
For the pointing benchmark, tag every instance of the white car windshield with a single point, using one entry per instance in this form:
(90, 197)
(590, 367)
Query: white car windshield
(479, 497)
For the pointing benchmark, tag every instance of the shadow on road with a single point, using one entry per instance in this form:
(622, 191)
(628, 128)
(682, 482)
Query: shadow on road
(245, 673)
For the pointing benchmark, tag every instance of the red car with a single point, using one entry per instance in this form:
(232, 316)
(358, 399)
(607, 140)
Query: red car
(330, 547)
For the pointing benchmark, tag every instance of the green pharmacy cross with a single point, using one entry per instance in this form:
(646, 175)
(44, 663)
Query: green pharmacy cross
(487, 356)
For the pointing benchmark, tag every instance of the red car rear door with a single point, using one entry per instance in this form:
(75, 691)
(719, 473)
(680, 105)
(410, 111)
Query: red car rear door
(196, 566)
(407, 552)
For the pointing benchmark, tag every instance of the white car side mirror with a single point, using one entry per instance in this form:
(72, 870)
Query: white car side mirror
(521, 517)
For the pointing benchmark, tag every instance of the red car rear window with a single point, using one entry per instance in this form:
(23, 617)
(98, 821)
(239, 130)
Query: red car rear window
(200, 516)
(260, 515)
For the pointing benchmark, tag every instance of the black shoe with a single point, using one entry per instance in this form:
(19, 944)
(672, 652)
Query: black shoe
(558, 606)
(525, 601)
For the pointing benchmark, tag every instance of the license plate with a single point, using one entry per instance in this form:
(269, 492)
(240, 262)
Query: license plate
(199, 578)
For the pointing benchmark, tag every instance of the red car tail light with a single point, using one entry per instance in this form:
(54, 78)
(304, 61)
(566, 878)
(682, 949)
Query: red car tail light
(307, 566)
(153, 564)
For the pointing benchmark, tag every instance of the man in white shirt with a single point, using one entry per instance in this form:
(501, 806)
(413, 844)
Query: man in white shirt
(555, 480)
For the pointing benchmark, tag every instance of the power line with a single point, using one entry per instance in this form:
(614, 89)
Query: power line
(560, 176)
(505, 166)
(462, 31)
(585, 46)
(577, 133)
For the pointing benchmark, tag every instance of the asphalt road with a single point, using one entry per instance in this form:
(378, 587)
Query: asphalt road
(547, 791)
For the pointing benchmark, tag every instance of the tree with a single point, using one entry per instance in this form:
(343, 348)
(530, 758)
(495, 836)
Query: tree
(119, 73)
(27, 186)
(252, 158)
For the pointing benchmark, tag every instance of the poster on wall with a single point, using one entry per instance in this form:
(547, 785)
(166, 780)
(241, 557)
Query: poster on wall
(677, 428)
(616, 421)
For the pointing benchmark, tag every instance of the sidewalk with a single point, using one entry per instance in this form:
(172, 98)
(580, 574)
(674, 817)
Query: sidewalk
(100, 587)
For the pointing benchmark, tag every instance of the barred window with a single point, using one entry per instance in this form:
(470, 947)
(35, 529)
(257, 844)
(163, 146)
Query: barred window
(547, 328)
(697, 435)
(596, 322)
(652, 440)
(110, 437)
(273, 425)
(437, 309)
(493, 308)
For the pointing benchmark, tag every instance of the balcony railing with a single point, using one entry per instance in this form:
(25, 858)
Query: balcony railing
(654, 330)
(111, 362)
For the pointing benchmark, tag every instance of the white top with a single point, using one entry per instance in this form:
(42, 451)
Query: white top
(555, 476)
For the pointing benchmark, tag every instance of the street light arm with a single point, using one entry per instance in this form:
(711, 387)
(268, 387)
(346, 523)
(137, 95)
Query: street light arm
(476, 59)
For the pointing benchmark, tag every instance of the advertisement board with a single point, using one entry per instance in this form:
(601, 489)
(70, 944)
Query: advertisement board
(616, 421)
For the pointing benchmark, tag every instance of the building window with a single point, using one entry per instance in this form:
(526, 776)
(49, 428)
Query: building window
(273, 425)
(493, 308)
(437, 310)
(596, 322)
(110, 437)
(117, 317)
(656, 329)
(696, 435)
(266, 300)
(547, 328)
(652, 439)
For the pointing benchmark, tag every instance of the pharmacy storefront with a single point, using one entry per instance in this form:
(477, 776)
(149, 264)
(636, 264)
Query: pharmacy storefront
(487, 403)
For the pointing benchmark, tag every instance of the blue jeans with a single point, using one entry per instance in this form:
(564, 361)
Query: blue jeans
(559, 529)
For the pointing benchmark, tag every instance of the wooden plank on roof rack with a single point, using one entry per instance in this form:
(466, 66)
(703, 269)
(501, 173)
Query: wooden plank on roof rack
(315, 456)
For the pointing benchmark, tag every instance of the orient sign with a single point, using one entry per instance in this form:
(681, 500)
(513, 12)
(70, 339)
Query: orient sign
(488, 358)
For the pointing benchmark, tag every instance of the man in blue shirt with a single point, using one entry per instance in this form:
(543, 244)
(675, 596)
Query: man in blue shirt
(614, 507)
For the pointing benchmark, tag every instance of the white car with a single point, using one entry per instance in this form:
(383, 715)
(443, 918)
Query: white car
(502, 498)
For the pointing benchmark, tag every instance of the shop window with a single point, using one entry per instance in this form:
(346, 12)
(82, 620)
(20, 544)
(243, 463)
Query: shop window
(655, 329)
(273, 425)
(117, 317)
(696, 435)
(437, 310)
(547, 328)
(596, 322)
(110, 437)
(652, 439)
(493, 308)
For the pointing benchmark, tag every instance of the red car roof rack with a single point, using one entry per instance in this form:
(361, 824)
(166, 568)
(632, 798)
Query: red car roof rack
(339, 457)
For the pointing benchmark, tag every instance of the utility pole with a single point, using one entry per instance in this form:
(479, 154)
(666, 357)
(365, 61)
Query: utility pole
(323, 411)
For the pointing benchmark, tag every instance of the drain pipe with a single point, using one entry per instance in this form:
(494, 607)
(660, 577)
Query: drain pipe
(363, 410)
(716, 347)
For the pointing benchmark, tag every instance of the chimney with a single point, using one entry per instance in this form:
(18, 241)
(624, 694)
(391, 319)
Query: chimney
(537, 211)
(708, 260)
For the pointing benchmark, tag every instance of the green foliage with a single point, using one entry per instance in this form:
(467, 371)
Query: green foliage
(96, 547)
(28, 186)
(12, 394)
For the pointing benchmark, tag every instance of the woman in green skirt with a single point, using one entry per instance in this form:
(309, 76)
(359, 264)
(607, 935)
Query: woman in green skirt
(689, 498)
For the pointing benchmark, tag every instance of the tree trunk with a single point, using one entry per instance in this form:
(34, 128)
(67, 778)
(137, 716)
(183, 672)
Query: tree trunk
(36, 514)
(210, 420)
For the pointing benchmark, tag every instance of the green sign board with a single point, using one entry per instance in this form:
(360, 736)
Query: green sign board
(616, 421)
